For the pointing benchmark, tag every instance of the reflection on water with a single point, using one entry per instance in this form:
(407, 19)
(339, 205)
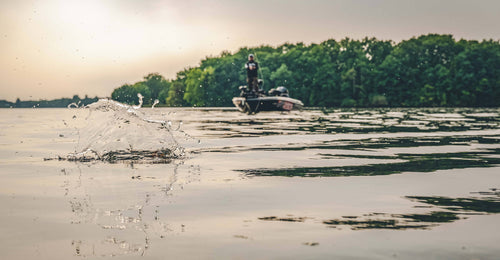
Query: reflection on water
(285, 219)
(353, 121)
(443, 210)
(412, 163)
(489, 202)
(127, 210)
(250, 193)
(378, 141)
(394, 221)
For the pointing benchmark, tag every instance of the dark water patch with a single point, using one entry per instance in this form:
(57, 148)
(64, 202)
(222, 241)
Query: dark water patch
(241, 237)
(492, 192)
(311, 243)
(424, 156)
(428, 164)
(407, 142)
(274, 128)
(358, 156)
(284, 219)
(395, 221)
(432, 217)
(363, 144)
(208, 124)
(373, 224)
(355, 121)
(444, 210)
(485, 205)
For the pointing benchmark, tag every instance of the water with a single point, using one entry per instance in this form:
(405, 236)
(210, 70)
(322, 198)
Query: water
(117, 132)
(346, 184)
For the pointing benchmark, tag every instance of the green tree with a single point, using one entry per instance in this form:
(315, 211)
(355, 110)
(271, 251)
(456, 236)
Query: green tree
(141, 88)
(428, 70)
(197, 82)
(156, 84)
(128, 93)
(282, 76)
(124, 94)
(176, 95)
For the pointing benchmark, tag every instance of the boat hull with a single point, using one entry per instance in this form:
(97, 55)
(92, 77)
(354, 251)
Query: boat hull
(274, 103)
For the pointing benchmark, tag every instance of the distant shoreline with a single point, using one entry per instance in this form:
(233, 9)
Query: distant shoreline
(54, 103)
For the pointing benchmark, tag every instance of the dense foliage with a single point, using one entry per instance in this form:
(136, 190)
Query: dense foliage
(431, 70)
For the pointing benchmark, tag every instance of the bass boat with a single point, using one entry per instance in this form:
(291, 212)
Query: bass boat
(277, 99)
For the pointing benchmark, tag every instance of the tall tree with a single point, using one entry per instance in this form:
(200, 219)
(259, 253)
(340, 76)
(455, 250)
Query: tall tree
(176, 95)
(156, 84)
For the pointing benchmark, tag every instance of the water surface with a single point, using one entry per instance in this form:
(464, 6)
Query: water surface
(349, 184)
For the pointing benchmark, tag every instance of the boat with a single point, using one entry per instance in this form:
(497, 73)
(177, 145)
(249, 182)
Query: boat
(277, 99)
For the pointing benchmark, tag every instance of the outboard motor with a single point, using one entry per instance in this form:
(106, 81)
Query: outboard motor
(279, 91)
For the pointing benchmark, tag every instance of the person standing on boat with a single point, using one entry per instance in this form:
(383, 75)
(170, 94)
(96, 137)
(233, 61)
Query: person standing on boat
(252, 78)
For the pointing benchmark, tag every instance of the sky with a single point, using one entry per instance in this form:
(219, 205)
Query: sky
(60, 48)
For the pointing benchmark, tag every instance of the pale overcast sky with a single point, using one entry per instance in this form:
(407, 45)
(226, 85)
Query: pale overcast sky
(58, 48)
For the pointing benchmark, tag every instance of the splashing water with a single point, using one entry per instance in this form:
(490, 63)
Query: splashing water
(140, 101)
(155, 103)
(117, 132)
(75, 105)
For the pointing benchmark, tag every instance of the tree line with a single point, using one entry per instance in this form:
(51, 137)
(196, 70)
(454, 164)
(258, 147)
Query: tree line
(429, 70)
(60, 102)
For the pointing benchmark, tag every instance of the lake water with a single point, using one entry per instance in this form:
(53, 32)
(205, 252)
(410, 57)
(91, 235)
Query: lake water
(315, 184)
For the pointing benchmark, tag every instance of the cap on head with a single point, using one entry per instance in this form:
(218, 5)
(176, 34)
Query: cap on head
(250, 56)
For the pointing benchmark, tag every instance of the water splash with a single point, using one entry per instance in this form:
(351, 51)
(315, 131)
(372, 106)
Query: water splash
(115, 132)
(155, 103)
(74, 105)
(140, 101)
